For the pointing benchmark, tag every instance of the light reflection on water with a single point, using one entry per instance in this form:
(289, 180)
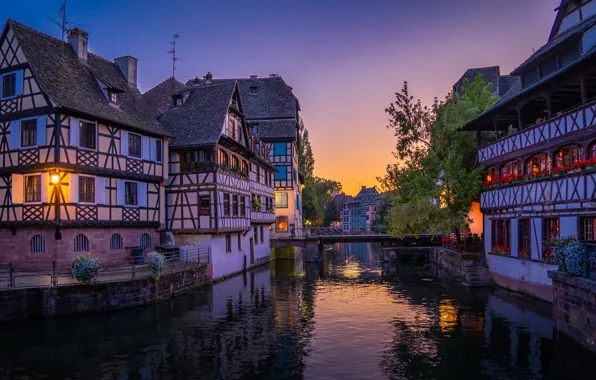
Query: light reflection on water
(348, 317)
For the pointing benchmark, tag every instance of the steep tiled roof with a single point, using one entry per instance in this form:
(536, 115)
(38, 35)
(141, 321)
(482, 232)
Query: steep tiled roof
(73, 85)
(159, 98)
(199, 121)
(492, 74)
(277, 128)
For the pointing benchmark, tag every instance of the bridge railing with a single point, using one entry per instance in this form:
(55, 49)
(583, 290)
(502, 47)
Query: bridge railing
(309, 232)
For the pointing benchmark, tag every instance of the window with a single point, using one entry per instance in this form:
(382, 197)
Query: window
(243, 206)
(297, 201)
(86, 189)
(116, 242)
(239, 242)
(525, 238)
(87, 135)
(232, 127)
(281, 224)
(33, 188)
(281, 174)
(235, 205)
(254, 90)
(228, 243)
(256, 235)
(38, 244)
(550, 232)
(81, 243)
(537, 163)
(255, 129)
(158, 154)
(501, 233)
(178, 100)
(245, 168)
(130, 193)
(281, 199)
(262, 235)
(205, 205)
(113, 97)
(9, 82)
(279, 149)
(226, 204)
(588, 232)
(145, 240)
(569, 155)
(258, 174)
(29, 132)
(223, 158)
(134, 145)
(511, 168)
(235, 162)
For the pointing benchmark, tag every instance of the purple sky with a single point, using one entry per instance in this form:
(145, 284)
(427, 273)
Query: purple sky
(344, 59)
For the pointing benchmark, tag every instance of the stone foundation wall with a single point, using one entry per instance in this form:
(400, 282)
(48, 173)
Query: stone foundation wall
(574, 308)
(47, 302)
(468, 272)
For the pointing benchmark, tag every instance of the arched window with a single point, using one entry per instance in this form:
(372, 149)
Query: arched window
(116, 242)
(38, 244)
(235, 162)
(492, 174)
(592, 150)
(537, 163)
(145, 240)
(81, 243)
(223, 158)
(511, 168)
(569, 155)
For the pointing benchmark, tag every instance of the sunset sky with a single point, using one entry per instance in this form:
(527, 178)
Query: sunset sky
(345, 59)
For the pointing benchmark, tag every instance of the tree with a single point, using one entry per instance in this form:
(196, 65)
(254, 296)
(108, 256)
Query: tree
(436, 180)
(332, 212)
(306, 158)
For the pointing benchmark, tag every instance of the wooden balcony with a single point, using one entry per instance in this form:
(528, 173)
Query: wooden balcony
(574, 191)
(555, 130)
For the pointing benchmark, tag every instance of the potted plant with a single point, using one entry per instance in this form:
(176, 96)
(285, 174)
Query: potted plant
(85, 269)
(256, 203)
(570, 254)
(156, 263)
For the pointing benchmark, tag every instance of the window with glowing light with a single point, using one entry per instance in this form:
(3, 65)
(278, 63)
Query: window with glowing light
(537, 163)
(511, 168)
(281, 224)
(569, 155)
(492, 174)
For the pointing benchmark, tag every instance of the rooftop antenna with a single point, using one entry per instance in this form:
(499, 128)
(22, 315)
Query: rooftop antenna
(64, 25)
(173, 52)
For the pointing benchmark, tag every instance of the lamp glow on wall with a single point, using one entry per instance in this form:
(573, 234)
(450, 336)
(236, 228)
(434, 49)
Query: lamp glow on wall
(55, 177)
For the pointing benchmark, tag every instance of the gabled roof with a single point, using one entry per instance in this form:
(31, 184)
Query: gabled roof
(200, 119)
(366, 191)
(159, 98)
(276, 128)
(72, 85)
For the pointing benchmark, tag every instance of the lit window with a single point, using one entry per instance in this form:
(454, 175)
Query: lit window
(281, 199)
(281, 224)
(33, 188)
(569, 155)
(537, 163)
(113, 96)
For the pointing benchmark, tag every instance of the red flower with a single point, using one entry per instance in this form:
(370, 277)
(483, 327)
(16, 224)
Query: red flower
(548, 253)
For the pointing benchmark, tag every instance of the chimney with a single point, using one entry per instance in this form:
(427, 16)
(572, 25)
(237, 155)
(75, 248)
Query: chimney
(78, 39)
(128, 66)
(253, 77)
(208, 78)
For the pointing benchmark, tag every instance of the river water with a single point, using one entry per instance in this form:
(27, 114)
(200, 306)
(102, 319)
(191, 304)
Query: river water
(348, 317)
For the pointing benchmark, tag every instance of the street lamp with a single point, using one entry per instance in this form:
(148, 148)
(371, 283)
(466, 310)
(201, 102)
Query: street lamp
(55, 177)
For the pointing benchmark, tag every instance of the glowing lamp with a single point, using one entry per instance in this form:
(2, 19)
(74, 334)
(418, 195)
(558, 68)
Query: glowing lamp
(55, 177)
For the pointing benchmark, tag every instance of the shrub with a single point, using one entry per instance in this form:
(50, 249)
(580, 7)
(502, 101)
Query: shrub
(85, 269)
(570, 254)
(156, 262)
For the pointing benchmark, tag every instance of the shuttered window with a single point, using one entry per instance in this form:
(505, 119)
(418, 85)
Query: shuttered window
(38, 244)
(29, 132)
(81, 243)
(33, 188)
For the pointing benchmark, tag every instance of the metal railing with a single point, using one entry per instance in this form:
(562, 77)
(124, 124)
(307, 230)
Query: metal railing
(57, 273)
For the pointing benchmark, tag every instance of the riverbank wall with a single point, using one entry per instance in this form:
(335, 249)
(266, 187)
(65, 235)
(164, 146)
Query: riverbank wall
(574, 308)
(18, 304)
(468, 272)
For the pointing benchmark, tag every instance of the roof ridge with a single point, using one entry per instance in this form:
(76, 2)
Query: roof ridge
(11, 21)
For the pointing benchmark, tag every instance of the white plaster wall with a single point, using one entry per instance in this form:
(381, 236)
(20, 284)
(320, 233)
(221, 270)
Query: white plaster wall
(263, 249)
(528, 271)
(226, 263)
(568, 226)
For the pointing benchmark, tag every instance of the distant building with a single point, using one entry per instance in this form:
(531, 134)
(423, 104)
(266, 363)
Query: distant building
(492, 74)
(354, 212)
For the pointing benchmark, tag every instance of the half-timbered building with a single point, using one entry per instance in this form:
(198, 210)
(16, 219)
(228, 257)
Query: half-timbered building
(272, 111)
(81, 155)
(538, 145)
(220, 189)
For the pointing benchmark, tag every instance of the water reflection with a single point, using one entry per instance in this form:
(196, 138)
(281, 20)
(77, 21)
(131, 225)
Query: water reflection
(348, 317)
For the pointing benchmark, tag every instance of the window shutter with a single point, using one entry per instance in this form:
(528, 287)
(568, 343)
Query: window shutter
(142, 194)
(100, 190)
(45, 187)
(15, 134)
(120, 191)
(146, 141)
(74, 131)
(18, 86)
(73, 185)
(41, 130)
(123, 143)
(18, 190)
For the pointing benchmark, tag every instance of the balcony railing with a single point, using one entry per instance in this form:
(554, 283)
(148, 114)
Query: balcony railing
(573, 120)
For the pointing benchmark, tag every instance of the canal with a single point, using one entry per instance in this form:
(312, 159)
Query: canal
(348, 317)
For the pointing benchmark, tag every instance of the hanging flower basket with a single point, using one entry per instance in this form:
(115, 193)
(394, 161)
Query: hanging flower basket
(156, 262)
(85, 269)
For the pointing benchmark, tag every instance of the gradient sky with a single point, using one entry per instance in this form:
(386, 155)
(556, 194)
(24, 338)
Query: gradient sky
(345, 59)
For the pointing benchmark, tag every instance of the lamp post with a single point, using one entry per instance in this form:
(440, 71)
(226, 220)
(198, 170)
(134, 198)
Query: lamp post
(55, 179)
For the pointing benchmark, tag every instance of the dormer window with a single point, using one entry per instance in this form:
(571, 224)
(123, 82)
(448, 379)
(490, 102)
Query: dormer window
(113, 97)
(255, 128)
(178, 100)
(254, 90)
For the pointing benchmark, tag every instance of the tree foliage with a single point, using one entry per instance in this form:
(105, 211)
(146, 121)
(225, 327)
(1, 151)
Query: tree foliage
(435, 179)
(332, 212)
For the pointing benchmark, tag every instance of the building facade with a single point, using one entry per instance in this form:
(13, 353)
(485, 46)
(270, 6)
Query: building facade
(355, 212)
(537, 145)
(81, 156)
(220, 190)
